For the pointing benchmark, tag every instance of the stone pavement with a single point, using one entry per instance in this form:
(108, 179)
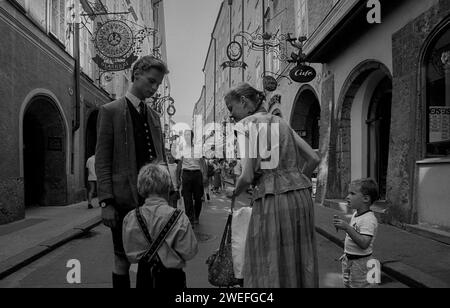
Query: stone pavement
(409, 258)
(414, 260)
(43, 230)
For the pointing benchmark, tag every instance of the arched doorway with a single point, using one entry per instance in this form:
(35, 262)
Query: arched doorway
(44, 154)
(306, 116)
(379, 129)
(362, 135)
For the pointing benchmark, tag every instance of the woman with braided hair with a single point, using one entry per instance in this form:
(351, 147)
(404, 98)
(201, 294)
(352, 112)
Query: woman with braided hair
(280, 249)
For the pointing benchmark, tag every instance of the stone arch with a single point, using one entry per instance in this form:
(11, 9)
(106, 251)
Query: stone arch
(25, 103)
(44, 151)
(340, 144)
(305, 115)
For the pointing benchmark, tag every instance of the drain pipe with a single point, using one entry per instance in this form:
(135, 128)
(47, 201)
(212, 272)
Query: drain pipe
(76, 51)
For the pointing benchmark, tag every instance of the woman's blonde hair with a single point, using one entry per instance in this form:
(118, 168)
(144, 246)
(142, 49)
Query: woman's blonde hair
(247, 91)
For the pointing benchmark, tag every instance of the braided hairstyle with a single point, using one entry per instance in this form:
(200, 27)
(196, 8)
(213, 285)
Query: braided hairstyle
(246, 90)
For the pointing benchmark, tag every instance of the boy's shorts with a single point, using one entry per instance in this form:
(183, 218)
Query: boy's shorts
(355, 273)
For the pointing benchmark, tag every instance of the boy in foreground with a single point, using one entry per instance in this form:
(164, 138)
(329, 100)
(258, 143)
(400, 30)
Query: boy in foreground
(361, 233)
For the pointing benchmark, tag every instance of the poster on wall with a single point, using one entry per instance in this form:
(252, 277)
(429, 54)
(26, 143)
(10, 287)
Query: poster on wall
(439, 124)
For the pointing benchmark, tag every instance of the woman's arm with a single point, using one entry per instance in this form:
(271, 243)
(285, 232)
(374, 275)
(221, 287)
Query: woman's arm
(246, 178)
(311, 157)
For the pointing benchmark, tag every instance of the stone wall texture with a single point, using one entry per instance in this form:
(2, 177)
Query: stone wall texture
(408, 124)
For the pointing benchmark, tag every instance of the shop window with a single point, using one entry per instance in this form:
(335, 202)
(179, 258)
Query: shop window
(438, 96)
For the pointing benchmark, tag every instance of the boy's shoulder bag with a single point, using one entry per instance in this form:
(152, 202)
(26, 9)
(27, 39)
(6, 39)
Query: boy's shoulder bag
(150, 265)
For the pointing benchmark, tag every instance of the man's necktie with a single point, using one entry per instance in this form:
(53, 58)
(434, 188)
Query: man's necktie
(142, 109)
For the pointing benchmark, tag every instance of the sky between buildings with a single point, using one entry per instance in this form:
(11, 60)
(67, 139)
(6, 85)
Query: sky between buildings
(189, 25)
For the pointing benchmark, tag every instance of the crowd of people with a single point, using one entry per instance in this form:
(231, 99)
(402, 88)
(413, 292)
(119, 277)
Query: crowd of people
(139, 187)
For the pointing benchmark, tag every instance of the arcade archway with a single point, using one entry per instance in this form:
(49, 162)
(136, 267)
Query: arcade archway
(44, 154)
(306, 116)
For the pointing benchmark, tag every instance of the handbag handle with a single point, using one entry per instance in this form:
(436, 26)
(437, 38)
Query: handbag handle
(226, 234)
(233, 201)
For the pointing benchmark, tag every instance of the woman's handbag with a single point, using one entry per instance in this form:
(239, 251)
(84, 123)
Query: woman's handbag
(220, 264)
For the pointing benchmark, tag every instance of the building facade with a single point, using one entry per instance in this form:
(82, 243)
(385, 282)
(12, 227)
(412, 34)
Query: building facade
(386, 89)
(378, 106)
(48, 130)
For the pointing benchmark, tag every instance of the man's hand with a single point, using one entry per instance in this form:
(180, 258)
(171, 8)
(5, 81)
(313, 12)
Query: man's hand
(339, 224)
(110, 216)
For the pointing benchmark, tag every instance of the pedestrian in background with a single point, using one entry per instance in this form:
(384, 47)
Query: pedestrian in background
(174, 195)
(217, 177)
(92, 180)
(211, 172)
(237, 171)
(193, 173)
(280, 251)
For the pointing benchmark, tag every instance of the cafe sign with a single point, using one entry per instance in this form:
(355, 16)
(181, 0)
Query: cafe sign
(303, 73)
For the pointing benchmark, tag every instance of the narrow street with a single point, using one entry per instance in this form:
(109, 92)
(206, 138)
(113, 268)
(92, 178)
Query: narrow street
(94, 253)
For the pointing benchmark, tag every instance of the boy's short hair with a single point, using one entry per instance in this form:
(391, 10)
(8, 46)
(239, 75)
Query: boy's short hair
(368, 187)
(147, 63)
(154, 179)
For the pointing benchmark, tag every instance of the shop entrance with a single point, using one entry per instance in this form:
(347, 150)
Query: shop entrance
(306, 116)
(379, 127)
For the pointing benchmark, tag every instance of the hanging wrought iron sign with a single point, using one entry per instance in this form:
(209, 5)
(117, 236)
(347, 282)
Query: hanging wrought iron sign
(267, 42)
(303, 73)
(275, 100)
(234, 54)
(114, 41)
(234, 64)
(234, 51)
(270, 84)
(171, 110)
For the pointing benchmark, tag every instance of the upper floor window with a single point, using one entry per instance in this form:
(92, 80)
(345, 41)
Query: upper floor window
(438, 96)
(58, 18)
(301, 18)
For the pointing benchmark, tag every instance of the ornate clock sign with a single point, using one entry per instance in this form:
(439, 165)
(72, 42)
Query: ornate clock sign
(114, 39)
(115, 42)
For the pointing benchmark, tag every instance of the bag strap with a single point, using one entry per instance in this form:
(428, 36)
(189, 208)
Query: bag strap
(233, 201)
(155, 245)
(226, 237)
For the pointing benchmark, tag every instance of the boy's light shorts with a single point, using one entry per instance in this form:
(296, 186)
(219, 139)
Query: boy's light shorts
(355, 273)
